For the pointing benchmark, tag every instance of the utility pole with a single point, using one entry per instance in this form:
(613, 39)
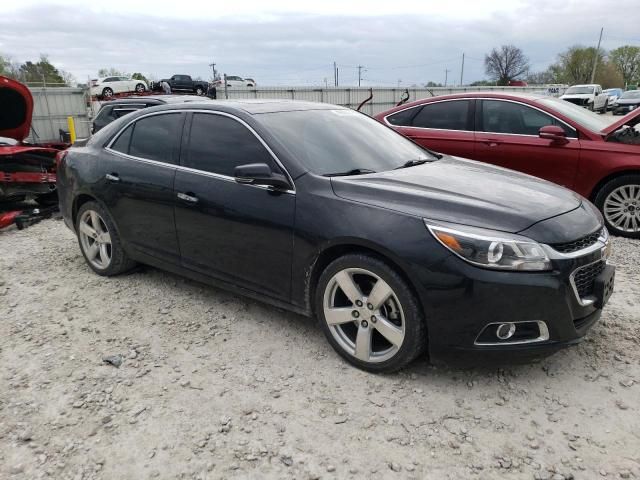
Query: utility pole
(360, 67)
(335, 74)
(595, 59)
(446, 76)
(213, 67)
(462, 69)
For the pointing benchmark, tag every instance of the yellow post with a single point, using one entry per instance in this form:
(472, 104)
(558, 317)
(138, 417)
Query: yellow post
(72, 129)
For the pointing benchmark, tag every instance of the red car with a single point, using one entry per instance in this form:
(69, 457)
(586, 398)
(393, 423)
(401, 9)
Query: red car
(539, 135)
(26, 170)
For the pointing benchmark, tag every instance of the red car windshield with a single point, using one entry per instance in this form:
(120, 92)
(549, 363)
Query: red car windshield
(587, 119)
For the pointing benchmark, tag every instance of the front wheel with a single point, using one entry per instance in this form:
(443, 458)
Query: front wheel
(107, 93)
(369, 313)
(99, 241)
(199, 90)
(140, 88)
(619, 202)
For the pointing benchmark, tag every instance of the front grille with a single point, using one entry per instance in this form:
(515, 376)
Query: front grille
(579, 244)
(584, 278)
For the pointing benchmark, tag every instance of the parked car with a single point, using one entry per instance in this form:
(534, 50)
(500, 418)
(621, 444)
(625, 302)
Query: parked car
(112, 110)
(613, 95)
(184, 83)
(587, 96)
(27, 170)
(518, 83)
(627, 102)
(108, 86)
(234, 81)
(538, 135)
(322, 210)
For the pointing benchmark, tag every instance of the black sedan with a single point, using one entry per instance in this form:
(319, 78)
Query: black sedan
(324, 211)
(627, 102)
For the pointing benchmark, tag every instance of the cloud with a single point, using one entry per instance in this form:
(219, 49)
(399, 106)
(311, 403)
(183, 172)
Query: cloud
(300, 48)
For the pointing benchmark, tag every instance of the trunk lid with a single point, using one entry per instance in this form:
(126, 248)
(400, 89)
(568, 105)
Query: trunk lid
(16, 111)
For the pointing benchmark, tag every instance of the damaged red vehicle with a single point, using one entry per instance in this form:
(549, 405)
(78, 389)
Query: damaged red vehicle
(27, 171)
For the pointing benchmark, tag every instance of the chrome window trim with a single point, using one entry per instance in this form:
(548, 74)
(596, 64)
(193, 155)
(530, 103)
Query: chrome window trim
(194, 170)
(542, 337)
(478, 131)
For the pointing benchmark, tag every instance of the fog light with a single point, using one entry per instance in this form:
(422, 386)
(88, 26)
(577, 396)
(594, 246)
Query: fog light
(505, 331)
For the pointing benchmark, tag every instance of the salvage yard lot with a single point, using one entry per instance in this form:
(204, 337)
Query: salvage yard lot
(217, 386)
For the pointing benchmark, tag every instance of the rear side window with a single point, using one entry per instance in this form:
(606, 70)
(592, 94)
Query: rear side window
(153, 138)
(218, 144)
(453, 115)
(403, 118)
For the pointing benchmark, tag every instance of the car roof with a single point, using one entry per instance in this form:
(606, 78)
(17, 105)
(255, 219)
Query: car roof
(258, 106)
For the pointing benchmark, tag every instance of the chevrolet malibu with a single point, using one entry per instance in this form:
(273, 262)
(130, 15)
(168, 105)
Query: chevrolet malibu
(324, 211)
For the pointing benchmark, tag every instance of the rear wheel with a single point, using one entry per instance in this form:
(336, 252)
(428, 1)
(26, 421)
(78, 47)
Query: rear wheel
(99, 241)
(140, 88)
(369, 314)
(619, 202)
(107, 92)
(199, 90)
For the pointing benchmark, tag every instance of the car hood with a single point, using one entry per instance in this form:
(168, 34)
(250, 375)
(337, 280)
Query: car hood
(462, 191)
(631, 119)
(628, 101)
(16, 110)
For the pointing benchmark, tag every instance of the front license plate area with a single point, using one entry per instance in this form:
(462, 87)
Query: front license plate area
(603, 287)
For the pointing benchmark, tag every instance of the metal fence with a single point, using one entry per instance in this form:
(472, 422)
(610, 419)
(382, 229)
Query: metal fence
(52, 106)
(383, 98)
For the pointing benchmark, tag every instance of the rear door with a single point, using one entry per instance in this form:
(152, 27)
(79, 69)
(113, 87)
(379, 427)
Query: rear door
(507, 135)
(139, 172)
(444, 126)
(236, 232)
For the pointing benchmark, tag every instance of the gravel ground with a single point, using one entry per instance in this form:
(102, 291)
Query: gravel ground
(216, 386)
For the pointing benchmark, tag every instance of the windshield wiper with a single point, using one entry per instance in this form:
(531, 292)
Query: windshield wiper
(412, 163)
(354, 171)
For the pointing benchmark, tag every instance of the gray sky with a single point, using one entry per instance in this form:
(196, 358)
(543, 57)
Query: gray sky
(282, 42)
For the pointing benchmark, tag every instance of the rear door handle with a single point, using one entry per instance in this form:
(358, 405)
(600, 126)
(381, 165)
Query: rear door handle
(112, 177)
(188, 197)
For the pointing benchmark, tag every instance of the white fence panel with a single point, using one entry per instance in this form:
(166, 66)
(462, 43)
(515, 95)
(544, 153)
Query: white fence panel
(52, 106)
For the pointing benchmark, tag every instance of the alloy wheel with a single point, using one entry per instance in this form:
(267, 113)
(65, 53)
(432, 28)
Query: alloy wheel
(95, 239)
(139, 88)
(364, 315)
(622, 208)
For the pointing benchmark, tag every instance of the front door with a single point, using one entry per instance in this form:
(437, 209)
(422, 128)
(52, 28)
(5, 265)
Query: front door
(137, 184)
(507, 135)
(239, 233)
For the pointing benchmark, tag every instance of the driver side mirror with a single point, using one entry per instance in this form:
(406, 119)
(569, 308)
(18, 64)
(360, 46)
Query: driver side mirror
(260, 174)
(554, 133)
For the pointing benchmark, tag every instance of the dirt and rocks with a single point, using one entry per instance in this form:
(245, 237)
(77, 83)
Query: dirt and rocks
(148, 375)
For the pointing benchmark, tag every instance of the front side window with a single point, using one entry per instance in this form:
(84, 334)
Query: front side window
(153, 138)
(453, 115)
(516, 119)
(218, 144)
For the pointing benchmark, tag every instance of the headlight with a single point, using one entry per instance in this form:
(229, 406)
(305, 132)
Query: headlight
(490, 249)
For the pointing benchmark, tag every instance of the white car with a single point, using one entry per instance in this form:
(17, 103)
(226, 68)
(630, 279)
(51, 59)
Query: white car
(589, 96)
(108, 86)
(235, 81)
(613, 94)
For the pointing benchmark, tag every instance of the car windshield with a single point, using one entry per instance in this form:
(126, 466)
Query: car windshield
(590, 120)
(578, 90)
(612, 91)
(631, 94)
(331, 142)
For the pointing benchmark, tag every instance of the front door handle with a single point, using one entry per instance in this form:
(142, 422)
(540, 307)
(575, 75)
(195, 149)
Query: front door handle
(112, 177)
(491, 143)
(188, 197)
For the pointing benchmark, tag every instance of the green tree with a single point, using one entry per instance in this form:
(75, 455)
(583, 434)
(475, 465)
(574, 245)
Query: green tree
(627, 60)
(41, 72)
(139, 76)
(505, 64)
(7, 67)
(111, 72)
(575, 64)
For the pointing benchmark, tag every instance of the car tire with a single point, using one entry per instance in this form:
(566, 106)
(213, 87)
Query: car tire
(591, 106)
(140, 88)
(107, 92)
(619, 202)
(199, 91)
(381, 337)
(96, 230)
(604, 109)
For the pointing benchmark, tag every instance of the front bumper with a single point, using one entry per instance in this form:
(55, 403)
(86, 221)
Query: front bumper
(466, 299)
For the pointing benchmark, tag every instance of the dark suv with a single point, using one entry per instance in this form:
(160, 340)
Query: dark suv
(110, 111)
